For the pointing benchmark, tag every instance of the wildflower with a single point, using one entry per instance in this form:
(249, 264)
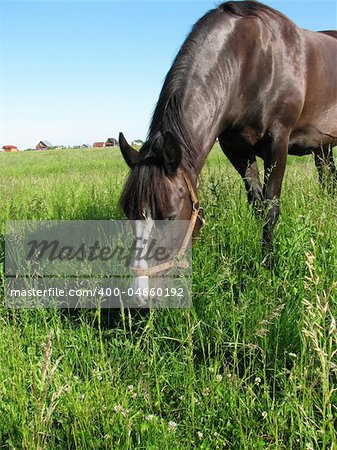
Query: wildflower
(216, 434)
(206, 392)
(130, 388)
(150, 417)
(218, 378)
(200, 435)
(264, 414)
(211, 369)
(172, 425)
(82, 396)
(118, 408)
(257, 381)
(96, 373)
(134, 395)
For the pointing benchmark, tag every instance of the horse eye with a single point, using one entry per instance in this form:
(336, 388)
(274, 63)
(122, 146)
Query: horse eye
(171, 217)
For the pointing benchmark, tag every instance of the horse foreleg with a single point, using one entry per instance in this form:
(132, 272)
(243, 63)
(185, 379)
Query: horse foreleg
(275, 157)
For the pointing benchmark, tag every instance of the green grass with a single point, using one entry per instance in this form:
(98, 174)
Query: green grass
(251, 366)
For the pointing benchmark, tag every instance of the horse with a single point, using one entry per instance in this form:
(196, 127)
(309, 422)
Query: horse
(323, 155)
(251, 77)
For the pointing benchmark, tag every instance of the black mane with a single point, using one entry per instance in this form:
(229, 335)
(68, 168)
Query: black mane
(144, 188)
(248, 8)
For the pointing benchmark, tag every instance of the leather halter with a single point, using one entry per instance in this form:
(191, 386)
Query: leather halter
(178, 260)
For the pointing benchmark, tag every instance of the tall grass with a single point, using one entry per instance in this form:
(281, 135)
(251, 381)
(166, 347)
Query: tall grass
(251, 366)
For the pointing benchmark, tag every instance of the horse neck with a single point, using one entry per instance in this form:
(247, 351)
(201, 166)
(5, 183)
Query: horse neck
(204, 118)
(199, 110)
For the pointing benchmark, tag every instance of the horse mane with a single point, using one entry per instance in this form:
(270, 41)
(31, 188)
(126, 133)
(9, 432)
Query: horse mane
(249, 8)
(167, 115)
(144, 188)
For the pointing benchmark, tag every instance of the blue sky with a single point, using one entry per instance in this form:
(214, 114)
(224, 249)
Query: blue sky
(76, 72)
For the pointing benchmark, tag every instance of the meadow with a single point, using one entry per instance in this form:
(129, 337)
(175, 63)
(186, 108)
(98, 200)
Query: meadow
(251, 366)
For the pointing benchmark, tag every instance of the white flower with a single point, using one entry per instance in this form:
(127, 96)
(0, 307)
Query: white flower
(172, 425)
(125, 412)
(264, 414)
(218, 378)
(200, 435)
(118, 408)
(150, 417)
(257, 380)
(130, 388)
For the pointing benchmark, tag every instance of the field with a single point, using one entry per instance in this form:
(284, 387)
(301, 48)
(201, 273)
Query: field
(251, 366)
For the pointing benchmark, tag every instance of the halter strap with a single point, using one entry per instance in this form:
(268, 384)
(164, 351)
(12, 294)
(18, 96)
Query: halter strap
(193, 195)
(179, 260)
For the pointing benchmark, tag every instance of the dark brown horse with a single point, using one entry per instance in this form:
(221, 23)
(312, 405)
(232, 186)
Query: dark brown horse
(323, 155)
(248, 75)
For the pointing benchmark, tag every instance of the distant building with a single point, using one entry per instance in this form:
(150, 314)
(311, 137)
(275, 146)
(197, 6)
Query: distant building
(99, 144)
(137, 143)
(111, 142)
(85, 146)
(9, 148)
(43, 145)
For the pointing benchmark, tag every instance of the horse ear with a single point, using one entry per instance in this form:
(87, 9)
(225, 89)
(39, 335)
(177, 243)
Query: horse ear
(130, 155)
(171, 153)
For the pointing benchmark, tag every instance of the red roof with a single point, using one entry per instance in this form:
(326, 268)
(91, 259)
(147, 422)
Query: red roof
(8, 147)
(99, 144)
